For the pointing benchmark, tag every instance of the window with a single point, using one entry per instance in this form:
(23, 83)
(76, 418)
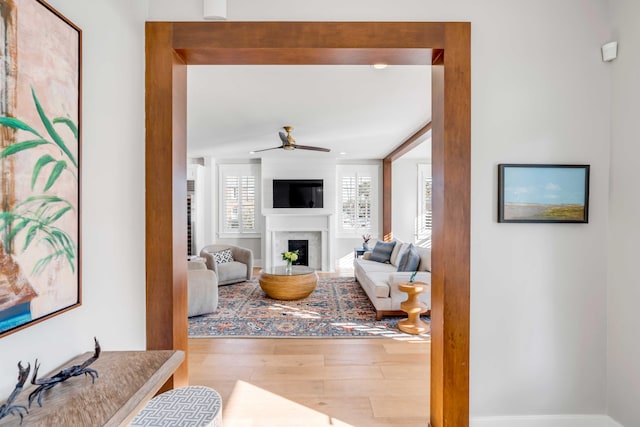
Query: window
(239, 199)
(357, 199)
(425, 186)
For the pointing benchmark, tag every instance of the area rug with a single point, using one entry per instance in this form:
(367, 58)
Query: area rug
(338, 307)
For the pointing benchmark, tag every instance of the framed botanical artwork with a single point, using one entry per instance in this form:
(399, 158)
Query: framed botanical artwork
(40, 83)
(543, 193)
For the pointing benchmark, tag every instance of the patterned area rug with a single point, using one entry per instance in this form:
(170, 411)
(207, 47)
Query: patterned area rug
(338, 307)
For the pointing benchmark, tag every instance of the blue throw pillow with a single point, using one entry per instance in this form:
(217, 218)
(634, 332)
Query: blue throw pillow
(410, 259)
(382, 251)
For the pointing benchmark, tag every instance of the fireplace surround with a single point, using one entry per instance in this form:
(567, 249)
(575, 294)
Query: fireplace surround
(316, 227)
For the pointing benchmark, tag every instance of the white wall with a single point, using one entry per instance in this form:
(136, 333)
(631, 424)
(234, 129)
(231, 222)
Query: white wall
(112, 251)
(295, 166)
(623, 291)
(540, 94)
(404, 182)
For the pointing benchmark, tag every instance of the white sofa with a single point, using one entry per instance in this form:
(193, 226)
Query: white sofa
(380, 280)
(202, 289)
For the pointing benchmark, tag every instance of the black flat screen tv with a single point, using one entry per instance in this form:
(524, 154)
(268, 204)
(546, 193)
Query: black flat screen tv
(297, 193)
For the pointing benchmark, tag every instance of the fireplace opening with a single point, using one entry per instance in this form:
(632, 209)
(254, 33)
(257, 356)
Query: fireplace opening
(302, 246)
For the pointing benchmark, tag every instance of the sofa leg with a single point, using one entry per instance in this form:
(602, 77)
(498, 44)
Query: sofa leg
(378, 315)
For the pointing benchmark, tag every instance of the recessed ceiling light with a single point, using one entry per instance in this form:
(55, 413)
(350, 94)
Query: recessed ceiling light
(380, 66)
(342, 153)
(252, 152)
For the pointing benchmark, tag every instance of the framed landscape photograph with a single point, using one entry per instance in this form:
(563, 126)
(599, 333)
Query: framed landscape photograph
(543, 193)
(40, 67)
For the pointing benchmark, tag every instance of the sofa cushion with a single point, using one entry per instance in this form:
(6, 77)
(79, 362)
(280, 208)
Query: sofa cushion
(425, 259)
(223, 256)
(394, 254)
(403, 249)
(232, 270)
(373, 266)
(380, 284)
(409, 260)
(382, 251)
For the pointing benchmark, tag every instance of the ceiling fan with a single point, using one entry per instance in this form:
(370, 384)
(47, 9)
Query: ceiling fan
(288, 143)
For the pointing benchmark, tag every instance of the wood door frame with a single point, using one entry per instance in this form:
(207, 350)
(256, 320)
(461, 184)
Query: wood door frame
(171, 46)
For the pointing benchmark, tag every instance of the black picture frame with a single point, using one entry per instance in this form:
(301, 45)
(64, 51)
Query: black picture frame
(543, 193)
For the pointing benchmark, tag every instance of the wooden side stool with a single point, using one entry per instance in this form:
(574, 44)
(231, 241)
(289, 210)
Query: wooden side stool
(195, 406)
(413, 307)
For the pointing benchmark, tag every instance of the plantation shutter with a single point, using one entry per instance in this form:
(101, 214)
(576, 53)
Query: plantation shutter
(239, 199)
(425, 211)
(348, 191)
(426, 203)
(364, 202)
(231, 203)
(356, 200)
(248, 207)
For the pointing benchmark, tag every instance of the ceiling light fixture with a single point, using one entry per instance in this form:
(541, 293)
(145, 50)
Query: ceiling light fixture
(342, 153)
(252, 152)
(215, 9)
(380, 66)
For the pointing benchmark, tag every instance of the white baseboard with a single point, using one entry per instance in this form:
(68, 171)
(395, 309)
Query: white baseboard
(545, 421)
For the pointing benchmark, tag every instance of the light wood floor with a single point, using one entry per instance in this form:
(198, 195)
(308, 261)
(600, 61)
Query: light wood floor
(315, 382)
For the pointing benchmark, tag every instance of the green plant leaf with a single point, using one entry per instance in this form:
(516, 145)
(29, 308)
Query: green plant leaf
(17, 124)
(62, 246)
(58, 214)
(52, 132)
(18, 228)
(69, 124)
(42, 161)
(31, 233)
(43, 200)
(21, 146)
(55, 173)
(39, 266)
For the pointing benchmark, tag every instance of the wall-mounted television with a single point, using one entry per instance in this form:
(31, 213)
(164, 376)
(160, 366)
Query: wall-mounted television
(297, 193)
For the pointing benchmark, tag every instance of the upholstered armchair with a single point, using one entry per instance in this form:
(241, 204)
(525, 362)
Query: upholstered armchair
(237, 270)
(203, 289)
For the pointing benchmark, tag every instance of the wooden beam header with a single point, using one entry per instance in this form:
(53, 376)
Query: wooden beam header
(409, 144)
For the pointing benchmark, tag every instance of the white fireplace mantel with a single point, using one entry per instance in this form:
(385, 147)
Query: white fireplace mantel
(282, 222)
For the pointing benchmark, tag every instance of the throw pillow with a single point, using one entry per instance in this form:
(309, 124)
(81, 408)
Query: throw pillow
(403, 247)
(410, 259)
(223, 256)
(382, 251)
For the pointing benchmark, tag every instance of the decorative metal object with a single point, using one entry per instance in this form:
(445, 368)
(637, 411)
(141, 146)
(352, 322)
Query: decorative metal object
(45, 384)
(8, 408)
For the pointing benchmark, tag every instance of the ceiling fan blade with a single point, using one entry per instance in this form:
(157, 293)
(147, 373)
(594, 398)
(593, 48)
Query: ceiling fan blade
(308, 147)
(267, 149)
(283, 138)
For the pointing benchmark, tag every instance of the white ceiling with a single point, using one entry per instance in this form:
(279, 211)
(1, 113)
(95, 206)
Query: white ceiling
(357, 110)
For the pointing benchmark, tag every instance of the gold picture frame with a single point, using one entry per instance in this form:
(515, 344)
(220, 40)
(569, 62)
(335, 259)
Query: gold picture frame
(40, 112)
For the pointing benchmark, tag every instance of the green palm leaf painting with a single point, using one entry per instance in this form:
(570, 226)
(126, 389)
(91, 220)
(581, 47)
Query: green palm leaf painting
(34, 219)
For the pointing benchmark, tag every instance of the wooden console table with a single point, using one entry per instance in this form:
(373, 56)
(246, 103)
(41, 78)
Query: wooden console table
(127, 381)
